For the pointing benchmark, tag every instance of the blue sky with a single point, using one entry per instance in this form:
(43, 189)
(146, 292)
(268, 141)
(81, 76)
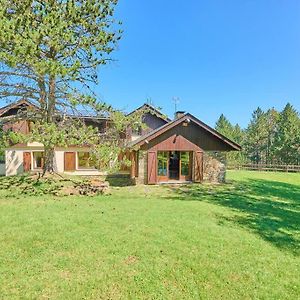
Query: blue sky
(216, 56)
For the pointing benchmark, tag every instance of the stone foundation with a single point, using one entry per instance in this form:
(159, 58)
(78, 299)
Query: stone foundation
(214, 167)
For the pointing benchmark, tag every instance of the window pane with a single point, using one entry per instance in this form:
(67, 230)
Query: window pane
(162, 158)
(185, 163)
(84, 160)
(38, 160)
(2, 157)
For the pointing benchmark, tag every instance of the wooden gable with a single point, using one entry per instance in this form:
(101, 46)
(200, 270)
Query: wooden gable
(186, 130)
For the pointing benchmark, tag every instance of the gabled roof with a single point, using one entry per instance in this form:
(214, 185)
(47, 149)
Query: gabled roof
(186, 117)
(22, 102)
(26, 103)
(153, 110)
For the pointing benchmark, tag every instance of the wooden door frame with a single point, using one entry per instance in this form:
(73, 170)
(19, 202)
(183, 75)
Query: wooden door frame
(42, 160)
(163, 178)
(189, 176)
(166, 178)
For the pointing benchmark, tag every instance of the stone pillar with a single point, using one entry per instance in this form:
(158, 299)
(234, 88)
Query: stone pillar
(214, 167)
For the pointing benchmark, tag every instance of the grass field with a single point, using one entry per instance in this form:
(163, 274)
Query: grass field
(240, 240)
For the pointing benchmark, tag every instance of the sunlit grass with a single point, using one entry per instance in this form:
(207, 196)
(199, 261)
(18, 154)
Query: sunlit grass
(234, 241)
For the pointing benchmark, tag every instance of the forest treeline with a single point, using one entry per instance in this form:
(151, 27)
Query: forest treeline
(271, 137)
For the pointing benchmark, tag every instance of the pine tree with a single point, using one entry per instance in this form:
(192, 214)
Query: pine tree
(271, 120)
(224, 127)
(287, 137)
(256, 136)
(236, 134)
(49, 54)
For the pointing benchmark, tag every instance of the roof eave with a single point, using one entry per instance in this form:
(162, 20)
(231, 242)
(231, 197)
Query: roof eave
(159, 114)
(142, 140)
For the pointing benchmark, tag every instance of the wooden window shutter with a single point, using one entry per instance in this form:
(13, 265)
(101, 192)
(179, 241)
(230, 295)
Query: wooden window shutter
(198, 176)
(70, 161)
(27, 161)
(152, 169)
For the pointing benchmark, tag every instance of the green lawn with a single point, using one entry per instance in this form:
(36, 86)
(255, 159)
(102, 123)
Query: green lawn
(234, 241)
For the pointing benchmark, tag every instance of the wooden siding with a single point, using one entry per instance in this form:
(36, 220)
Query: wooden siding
(186, 138)
(19, 126)
(173, 143)
(180, 138)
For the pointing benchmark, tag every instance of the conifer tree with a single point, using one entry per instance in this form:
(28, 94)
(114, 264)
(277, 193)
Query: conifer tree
(224, 126)
(50, 52)
(235, 133)
(256, 135)
(287, 138)
(271, 120)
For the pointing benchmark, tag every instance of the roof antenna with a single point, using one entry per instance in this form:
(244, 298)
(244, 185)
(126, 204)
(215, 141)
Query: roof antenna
(176, 101)
(149, 101)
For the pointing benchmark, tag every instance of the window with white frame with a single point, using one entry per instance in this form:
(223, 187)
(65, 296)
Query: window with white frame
(38, 159)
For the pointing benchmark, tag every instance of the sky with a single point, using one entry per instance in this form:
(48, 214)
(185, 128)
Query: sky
(216, 56)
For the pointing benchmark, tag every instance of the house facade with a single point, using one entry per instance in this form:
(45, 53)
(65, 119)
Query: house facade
(180, 150)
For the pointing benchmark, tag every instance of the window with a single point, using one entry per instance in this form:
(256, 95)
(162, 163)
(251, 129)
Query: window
(2, 157)
(185, 163)
(162, 158)
(38, 160)
(85, 161)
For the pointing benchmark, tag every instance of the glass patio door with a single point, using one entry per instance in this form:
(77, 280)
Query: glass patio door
(174, 165)
(163, 165)
(186, 165)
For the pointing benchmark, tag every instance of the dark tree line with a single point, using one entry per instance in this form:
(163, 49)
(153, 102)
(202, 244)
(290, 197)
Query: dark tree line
(271, 137)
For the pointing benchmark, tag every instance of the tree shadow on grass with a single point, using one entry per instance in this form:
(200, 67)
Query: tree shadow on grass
(270, 209)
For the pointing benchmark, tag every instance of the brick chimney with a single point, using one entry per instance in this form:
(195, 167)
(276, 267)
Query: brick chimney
(179, 114)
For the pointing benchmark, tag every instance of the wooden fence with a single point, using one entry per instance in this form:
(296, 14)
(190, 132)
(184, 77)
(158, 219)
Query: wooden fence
(265, 167)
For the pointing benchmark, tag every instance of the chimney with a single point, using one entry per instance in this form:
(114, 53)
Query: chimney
(179, 114)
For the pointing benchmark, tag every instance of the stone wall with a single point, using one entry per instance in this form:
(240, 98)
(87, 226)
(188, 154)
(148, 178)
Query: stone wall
(214, 167)
(142, 173)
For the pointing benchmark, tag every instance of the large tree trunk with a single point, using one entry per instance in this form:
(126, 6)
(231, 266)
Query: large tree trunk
(49, 161)
(49, 151)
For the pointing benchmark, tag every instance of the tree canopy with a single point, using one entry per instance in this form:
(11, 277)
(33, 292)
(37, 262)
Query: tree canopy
(50, 53)
(270, 137)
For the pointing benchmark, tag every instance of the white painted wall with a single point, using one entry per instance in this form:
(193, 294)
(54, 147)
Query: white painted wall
(59, 163)
(13, 162)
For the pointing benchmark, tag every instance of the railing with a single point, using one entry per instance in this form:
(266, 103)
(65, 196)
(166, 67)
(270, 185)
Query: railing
(265, 167)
